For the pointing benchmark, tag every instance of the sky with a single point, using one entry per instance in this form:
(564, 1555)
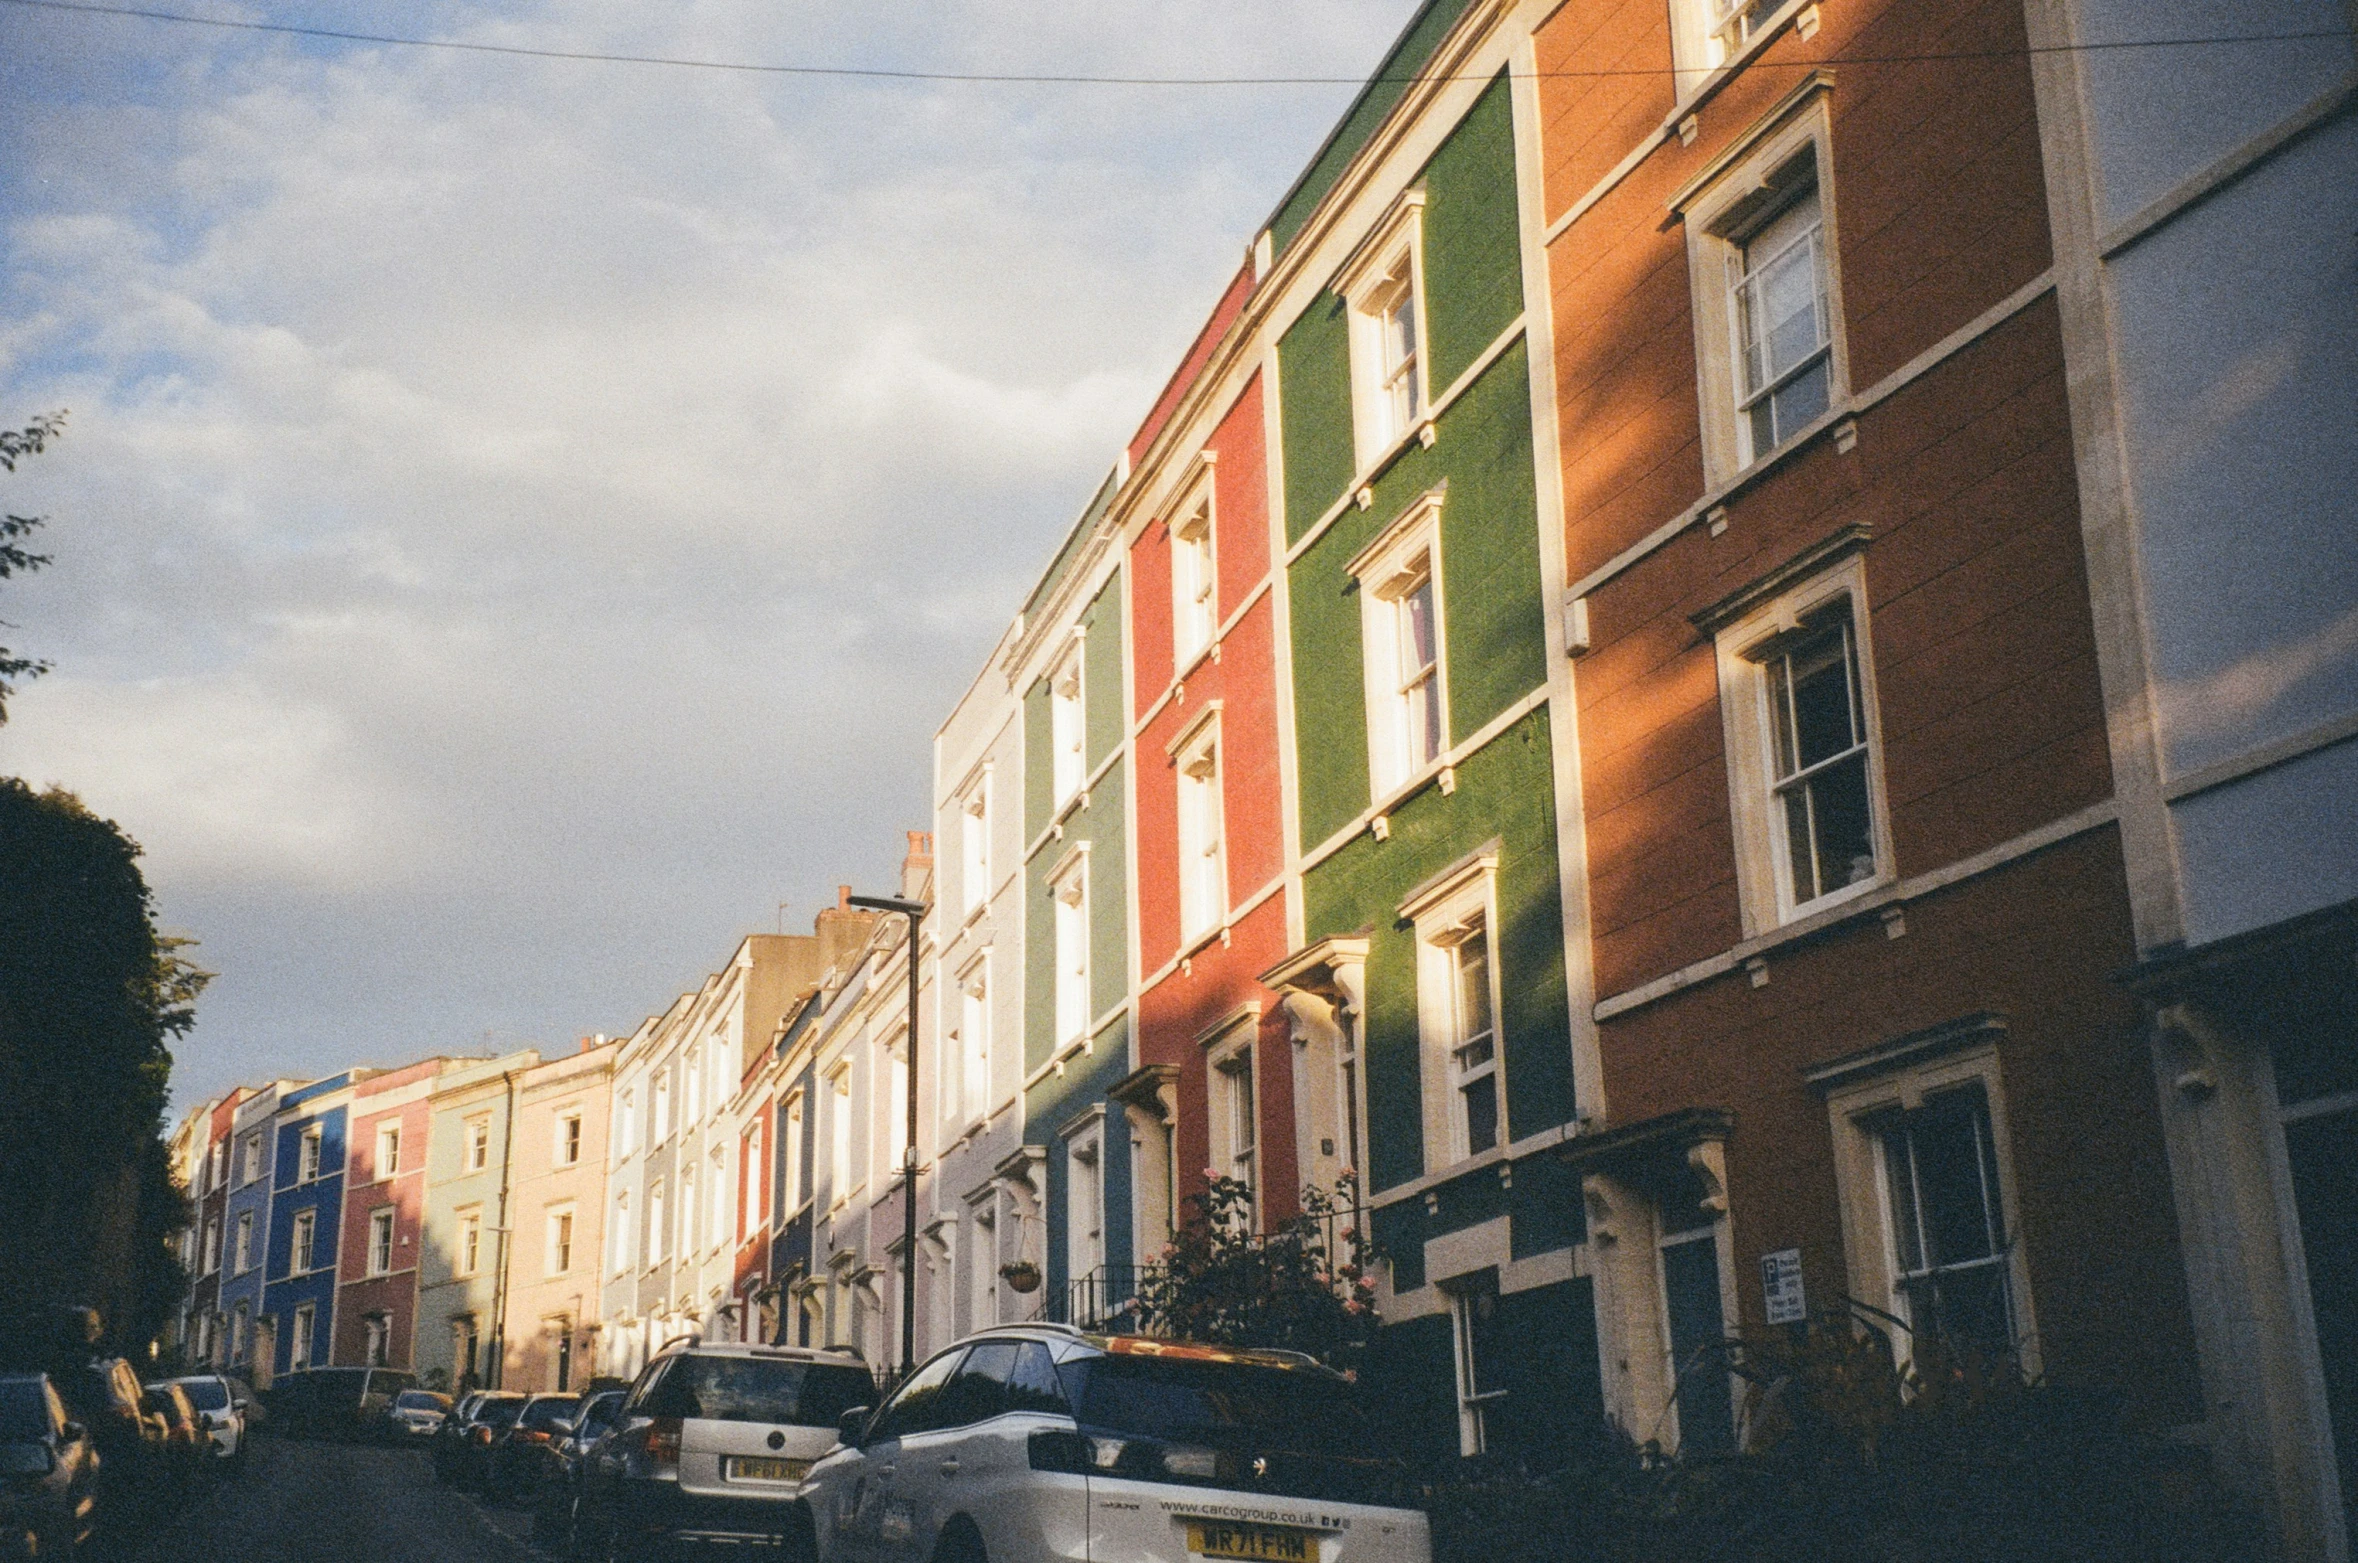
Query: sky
(521, 520)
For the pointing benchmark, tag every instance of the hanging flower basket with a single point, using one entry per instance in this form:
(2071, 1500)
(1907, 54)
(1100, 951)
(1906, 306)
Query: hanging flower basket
(1021, 1276)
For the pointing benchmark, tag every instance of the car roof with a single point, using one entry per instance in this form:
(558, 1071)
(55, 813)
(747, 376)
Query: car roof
(756, 1349)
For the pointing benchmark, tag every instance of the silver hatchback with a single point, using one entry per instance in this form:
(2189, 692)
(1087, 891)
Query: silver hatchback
(712, 1446)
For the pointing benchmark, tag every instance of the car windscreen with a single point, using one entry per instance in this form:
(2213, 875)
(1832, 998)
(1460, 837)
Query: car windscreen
(1227, 1404)
(24, 1412)
(542, 1415)
(419, 1400)
(206, 1394)
(499, 1413)
(758, 1389)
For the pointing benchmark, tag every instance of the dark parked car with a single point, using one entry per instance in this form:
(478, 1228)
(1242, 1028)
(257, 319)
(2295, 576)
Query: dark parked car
(519, 1454)
(714, 1444)
(468, 1459)
(341, 1403)
(188, 1446)
(48, 1471)
(555, 1501)
(133, 1460)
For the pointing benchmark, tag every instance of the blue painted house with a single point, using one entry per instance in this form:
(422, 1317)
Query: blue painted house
(306, 1215)
(244, 1337)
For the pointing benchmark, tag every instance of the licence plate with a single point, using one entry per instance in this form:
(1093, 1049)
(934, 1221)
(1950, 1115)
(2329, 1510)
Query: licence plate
(742, 1469)
(1252, 1543)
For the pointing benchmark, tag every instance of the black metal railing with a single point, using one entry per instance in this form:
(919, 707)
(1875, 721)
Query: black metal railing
(1104, 1299)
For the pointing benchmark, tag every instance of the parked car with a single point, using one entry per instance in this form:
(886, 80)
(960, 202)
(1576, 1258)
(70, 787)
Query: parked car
(469, 1464)
(104, 1396)
(48, 1471)
(1041, 1441)
(188, 1448)
(413, 1416)
(453, 1433)
(521, 1451)
(340, 1403)
(556, 1499)
(222, 1407)
(713, 1445)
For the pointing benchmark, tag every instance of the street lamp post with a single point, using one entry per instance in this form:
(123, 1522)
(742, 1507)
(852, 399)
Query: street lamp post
(914, 911)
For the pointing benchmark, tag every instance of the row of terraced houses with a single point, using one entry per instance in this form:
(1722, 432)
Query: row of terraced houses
(1728, 673)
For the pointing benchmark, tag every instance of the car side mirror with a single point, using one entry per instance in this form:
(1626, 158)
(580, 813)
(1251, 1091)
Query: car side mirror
(852, 1426)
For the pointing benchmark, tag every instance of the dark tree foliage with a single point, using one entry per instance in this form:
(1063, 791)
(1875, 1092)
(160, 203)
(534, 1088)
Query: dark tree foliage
(1306, 1286)
(90, 994)
(15, 558)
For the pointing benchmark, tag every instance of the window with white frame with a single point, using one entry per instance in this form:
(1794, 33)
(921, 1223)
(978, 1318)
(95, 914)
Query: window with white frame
(974, 842)
(218, 1160)
(1921, 1162)
(896, 1104)
(376, 1341)
(1706, 34)
(1070, 892)
(239, 1319)
(1402, 638)
(716, 1196)
(1383, 288)
(567, 1151)
(212, 1246)
(620, 1242)
(559, 1252)
(1067, 733)
(250, 1159)
(1235, 1108)
(470, 1242)
(1195, 581)
(307, 1154)
(1085, 1201)
(658, 1229)
(1203, 862)
(688, 1211)
(380, 1240)
(388, 1149)
(626, 1122)
(1481, 1356)
(242, 1251)
(1766, 300)
(303, 1249)
(1457, 1012)
(299, 1349)
(839, 1133)
(659, 1128)
(974, 1040)
(478, 1143)
(691, 1087)
(790, 1179)
(1797, 697)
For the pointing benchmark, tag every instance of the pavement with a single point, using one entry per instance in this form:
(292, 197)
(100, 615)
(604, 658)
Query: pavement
(303, 1502)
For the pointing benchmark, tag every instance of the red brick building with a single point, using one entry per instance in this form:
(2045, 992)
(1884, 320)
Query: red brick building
(1856, 886)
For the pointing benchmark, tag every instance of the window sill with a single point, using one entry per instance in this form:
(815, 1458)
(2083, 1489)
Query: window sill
(1716, 77)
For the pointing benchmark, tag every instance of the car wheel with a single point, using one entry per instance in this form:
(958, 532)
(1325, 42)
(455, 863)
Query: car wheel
(960, 1543)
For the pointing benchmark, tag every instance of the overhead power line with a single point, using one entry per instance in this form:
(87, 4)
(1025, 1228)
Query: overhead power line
(1050, 78)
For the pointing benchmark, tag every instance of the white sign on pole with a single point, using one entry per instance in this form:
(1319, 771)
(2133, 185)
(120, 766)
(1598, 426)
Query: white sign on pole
(1780, 1278)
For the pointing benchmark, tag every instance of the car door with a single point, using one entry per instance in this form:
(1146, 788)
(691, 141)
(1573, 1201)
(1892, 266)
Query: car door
(881, 1517)
(926, 1487)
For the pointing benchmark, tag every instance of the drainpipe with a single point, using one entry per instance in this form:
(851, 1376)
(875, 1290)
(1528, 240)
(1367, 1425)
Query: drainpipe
(497, 1368)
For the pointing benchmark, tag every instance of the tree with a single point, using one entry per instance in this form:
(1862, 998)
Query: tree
(15, 558)
(90, 996)
(1307, 1286)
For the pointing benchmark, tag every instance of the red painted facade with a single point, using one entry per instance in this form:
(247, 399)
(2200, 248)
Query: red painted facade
(1195, 982)
(393, 1295)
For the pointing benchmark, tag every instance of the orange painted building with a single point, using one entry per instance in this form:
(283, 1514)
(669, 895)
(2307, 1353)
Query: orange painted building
(1856, 886)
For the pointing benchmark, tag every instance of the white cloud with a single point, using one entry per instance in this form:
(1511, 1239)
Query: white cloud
(522, 519)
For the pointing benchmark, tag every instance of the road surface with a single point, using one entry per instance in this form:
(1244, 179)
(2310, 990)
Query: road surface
(337, 1503)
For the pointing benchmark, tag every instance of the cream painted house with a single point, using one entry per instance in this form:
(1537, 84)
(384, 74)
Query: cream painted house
(557, 1203)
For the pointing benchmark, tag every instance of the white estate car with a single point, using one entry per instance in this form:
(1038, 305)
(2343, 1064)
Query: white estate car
(1036, 1442)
